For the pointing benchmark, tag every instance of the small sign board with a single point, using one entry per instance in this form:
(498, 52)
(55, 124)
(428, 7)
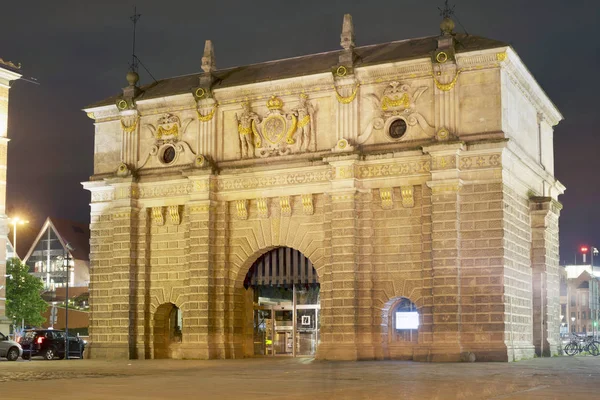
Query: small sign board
(306, 320)
(407, 320)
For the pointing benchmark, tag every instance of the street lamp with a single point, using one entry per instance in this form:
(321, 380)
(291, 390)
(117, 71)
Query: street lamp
(68, 268)
(16, 221)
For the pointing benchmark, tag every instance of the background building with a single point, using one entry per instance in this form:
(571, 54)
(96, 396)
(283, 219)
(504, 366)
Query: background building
(8, 73)
(581, 304)
(47, 254)
(387, 201)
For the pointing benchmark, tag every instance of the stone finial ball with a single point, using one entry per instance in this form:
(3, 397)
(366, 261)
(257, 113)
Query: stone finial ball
(132, 78)
(447, 25)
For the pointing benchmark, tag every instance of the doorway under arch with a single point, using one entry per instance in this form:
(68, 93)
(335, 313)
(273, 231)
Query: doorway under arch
(286, 304)
(167, 330)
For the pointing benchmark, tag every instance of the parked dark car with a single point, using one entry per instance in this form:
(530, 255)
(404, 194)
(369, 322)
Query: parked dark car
(50, 343)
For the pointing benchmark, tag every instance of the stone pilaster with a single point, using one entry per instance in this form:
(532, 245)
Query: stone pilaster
(339, 289)
(200, 291)
(219, 318)
(141, 315)
(545, 279)
(207, 125)
(445, 247)
(124, 271)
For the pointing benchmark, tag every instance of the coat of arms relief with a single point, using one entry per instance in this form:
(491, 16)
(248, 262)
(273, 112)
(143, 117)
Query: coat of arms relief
(168, 147)
(396, 113)
(277, 133)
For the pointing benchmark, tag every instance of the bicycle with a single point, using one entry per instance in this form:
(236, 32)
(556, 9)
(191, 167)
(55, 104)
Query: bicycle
(578, 345)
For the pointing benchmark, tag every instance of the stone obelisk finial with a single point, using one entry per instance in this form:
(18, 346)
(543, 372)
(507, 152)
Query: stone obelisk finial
(208, 59)
(347, 41)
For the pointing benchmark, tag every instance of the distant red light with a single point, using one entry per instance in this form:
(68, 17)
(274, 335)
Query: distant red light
(584, 249)
(40, 340)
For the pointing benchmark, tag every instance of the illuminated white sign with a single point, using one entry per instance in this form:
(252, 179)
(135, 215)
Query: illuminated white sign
(407, 320)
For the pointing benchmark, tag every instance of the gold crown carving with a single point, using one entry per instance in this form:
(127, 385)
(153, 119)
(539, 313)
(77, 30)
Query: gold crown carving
(274, 103)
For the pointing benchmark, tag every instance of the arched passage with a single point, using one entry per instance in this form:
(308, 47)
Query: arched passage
(285, 304)
(167, 330)
(400, 328)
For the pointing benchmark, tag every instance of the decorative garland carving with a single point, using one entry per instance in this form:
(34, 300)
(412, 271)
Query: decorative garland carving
(387, 102)
(209, 116)
(348, 99)
(130, 128)
(446, 87)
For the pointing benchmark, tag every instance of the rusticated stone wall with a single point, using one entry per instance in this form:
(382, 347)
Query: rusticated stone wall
(478, 257)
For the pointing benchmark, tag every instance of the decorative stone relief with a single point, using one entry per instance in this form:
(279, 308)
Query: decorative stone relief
(307, 204)
(408, 196)
(200, 161)
(304, 112)
(174, 216)
(278, 133)
(387, 198)
(241, 207)
(396, 114)
(157, 216)
(169, 148)
(286, 208)
(442, 135)
(343, 145)
(123, 171)
(246, 129)
(262, 204)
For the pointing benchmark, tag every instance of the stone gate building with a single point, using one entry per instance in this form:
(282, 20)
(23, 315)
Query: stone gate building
(387, 201)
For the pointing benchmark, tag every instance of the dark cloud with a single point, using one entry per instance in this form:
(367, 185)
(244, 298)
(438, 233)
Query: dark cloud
(79, 52)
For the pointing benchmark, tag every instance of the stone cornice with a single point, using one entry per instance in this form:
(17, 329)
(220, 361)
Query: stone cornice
(7, 75)
(522, 78)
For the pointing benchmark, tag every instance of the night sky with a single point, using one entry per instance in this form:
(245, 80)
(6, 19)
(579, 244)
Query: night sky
(79, 52)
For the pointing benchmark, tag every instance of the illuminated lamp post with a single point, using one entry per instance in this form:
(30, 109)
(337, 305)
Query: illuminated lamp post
(16, 221)
(68, 268)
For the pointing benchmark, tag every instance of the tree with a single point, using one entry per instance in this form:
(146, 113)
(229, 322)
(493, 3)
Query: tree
(23, 294)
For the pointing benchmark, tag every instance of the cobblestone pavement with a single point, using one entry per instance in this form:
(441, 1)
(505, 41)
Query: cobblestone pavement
(285, 378)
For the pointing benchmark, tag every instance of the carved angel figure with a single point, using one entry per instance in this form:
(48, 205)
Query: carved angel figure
(304, 112)
(245, 122)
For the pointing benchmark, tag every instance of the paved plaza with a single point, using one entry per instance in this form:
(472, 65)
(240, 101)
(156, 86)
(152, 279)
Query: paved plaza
(287, 378)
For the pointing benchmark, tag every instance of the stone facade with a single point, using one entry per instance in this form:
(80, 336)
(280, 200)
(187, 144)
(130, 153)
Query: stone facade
(424, 176)
(7, 74)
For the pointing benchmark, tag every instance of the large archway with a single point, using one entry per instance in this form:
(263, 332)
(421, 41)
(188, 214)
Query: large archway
(285, 311)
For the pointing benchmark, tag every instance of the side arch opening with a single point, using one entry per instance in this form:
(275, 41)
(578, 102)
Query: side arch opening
(167, 331)
(401, 321)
